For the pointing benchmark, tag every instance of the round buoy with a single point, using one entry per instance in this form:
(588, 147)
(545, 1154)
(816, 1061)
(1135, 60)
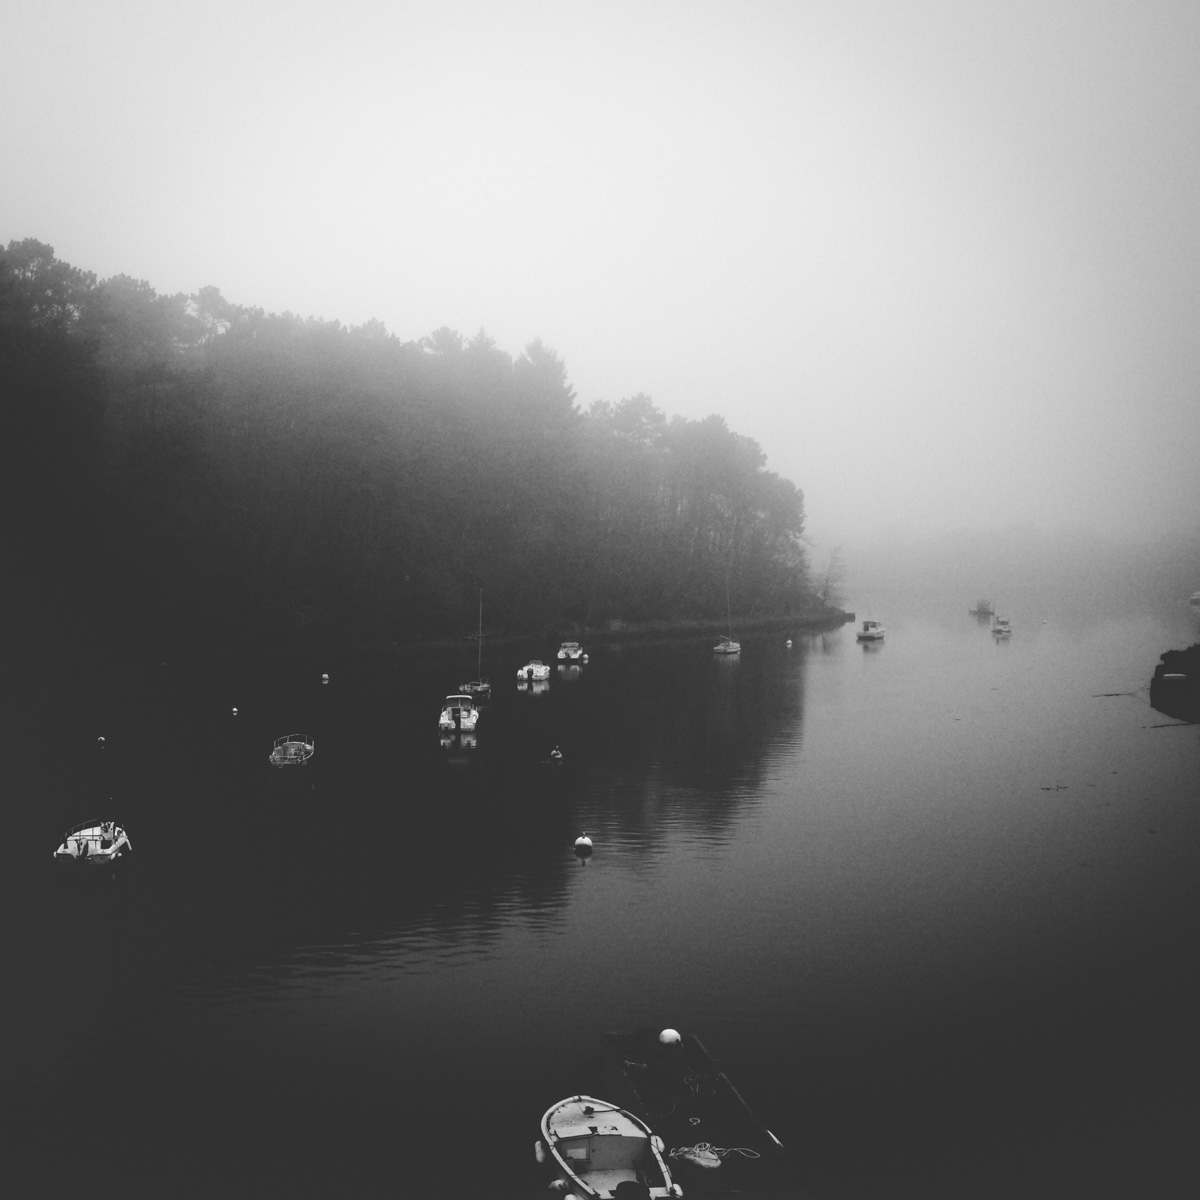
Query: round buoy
(233, 711)
(583, 845)
(324, 678)
(100, 742)
(669, 1037)
(789, 643)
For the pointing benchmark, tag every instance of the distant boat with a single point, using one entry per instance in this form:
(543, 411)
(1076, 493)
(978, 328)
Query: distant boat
(534, 669)
(600, 1150)
(292, 750)
(571, 652)
(1194, 600)
(478, 688)
(94, 844)
(727, 645)
(871, 631)
(459, 714)
(1002, 627)
(983, 608)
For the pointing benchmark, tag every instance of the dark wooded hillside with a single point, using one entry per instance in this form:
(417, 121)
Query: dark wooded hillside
(186, 470)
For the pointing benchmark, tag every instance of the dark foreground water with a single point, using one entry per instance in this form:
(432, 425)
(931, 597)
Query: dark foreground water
(934, 904)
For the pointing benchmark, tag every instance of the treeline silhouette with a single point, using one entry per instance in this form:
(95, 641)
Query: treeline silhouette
(187, 470)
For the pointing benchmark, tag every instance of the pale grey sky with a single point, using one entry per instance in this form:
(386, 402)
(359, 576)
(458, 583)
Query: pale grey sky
(942, 260)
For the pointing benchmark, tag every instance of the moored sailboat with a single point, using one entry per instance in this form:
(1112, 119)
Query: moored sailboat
(478, 688)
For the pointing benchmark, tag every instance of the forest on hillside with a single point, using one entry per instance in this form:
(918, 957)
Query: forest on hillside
(184, 470)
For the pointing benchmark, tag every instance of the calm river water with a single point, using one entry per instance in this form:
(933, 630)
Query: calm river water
(934, 904)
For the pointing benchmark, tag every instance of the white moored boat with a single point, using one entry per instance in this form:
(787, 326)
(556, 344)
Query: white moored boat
(459, 714)
(727, 646)
(533, 669)
(597, 1149)
(571, 652)
(292, 750)
(1002, 627)
(94, 844)
(871, 631)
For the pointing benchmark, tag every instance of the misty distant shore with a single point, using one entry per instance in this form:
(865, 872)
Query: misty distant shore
(808, 621)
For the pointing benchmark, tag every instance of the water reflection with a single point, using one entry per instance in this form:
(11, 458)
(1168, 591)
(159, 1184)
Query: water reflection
(294, 975)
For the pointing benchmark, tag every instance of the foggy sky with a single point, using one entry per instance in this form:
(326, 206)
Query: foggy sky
(939, 258)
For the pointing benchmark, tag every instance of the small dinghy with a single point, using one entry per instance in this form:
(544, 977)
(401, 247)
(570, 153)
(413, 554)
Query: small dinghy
(94, 844)
(292, 750)
(459, 715)
(597, 1149)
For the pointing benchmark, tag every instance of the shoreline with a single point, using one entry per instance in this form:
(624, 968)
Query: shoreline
(810, 621)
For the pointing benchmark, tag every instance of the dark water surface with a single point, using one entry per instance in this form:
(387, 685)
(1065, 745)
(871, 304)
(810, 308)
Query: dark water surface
(934, 904)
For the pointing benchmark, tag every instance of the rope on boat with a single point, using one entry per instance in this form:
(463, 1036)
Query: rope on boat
(702, 1150)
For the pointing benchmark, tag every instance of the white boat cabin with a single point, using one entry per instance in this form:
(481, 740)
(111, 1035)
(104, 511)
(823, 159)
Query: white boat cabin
(458, 714)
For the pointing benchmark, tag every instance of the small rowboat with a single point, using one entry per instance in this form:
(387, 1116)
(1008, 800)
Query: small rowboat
(292, 750)
(597, 1149)
(94, 844)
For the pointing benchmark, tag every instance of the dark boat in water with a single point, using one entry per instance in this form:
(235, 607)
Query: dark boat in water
(1175, 687)
(715, 1143)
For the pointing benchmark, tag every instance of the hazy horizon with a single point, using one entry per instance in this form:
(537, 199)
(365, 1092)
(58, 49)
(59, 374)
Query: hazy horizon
(940, 261)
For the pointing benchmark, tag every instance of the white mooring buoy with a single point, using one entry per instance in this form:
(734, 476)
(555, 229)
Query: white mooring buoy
(233, 711)
(583, 845)
(324, 678)
(669, 1037)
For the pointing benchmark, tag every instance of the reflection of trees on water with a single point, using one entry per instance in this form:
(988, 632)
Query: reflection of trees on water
(679, 736)
(394, 831)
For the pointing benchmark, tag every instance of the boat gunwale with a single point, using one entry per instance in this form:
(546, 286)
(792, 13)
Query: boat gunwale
(668, 1187)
